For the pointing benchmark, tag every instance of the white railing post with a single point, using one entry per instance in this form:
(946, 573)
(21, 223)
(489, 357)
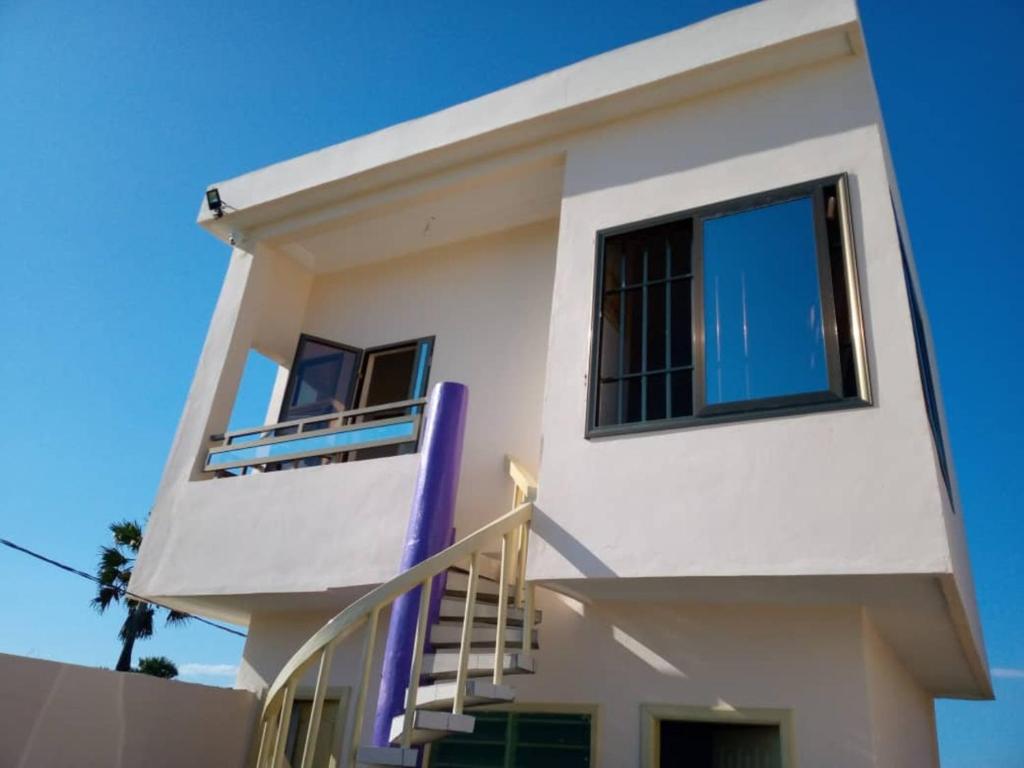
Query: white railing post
(313, 731)
(281, 739)
(524, 547)
(528, 622)
(467, 635)
(356, 732)
(412, 692)
(499, 640)
(261, 751)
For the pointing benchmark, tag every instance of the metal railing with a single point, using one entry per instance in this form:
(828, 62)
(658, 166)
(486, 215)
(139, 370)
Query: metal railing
(323, 437)
(512, 530)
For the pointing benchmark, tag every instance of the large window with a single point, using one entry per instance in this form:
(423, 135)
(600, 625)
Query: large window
(514, 739)
(743, 308)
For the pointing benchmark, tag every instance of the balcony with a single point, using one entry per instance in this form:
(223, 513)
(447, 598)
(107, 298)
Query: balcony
(361, 433)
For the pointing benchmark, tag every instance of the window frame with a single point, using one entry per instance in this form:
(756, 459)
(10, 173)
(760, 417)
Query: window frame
(795, 404)
(651, 715)
(591, 710)
(289, 389)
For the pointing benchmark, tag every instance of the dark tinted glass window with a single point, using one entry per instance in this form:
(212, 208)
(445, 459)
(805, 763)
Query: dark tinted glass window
(718, 745)
(645, 325)
(322, 379)
(517, 739)
(924, 364)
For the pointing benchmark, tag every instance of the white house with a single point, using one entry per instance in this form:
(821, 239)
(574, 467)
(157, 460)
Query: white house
(676, 282)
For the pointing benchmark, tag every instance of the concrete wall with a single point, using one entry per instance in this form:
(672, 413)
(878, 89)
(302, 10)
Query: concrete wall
(488, 304)
(840, 492)
(56, 715)
(902, 713)
(849, 698)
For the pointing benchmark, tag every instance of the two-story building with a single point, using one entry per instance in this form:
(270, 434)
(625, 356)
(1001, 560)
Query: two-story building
(676, 283)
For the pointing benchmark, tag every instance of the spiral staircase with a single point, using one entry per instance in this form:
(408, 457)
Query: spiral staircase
(485, 632)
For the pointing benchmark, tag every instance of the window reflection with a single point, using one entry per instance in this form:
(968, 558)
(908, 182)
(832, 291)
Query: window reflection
(763, 326)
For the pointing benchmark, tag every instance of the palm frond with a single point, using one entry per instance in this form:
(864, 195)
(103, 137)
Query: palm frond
(144, 625)
(105, 597)
(158, 666)
(127, 533)
(113, 567)
(177, 617)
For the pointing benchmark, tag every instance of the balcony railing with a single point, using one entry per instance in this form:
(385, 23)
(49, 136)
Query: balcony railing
(317, 439)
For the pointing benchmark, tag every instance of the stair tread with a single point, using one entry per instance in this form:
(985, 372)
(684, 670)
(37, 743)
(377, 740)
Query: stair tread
(431, 725)
(392, 756)
(442, 635)
(444, 664)
(453, 609)
(440, 695)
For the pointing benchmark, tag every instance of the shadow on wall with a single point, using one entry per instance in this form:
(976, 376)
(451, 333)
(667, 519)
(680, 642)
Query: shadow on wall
(55, 715)
(569, 547)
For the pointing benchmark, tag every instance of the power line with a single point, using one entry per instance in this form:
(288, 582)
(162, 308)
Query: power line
(121, 590)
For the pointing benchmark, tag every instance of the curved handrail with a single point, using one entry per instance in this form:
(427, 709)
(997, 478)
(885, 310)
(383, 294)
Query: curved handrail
(512, 528)
(351, 618)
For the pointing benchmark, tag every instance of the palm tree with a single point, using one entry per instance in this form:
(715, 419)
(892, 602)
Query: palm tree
(158, 666)
(114, 572)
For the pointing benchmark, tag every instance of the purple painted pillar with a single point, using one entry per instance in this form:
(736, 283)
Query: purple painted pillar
(431, 526)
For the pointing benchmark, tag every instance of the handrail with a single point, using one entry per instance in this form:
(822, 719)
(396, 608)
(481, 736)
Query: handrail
(511, 528)
(226, 436)
(316, 437)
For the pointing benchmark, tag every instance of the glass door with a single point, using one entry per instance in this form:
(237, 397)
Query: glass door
(323, 379)
(391, 374)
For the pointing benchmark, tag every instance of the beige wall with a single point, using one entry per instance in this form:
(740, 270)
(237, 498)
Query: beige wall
(852, 703)
(850, 491)
(487, 302)
(56, 715)
(902, 713)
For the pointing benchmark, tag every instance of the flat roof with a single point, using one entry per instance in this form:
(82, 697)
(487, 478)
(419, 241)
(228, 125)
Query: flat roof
(749, 42)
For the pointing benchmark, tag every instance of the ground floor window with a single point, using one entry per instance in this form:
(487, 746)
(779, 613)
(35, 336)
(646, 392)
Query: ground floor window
(685, 744)
(512, 739)
(331, 725)
(713, 737)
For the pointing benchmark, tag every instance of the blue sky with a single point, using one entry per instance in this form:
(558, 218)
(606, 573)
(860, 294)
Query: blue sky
(114, 117)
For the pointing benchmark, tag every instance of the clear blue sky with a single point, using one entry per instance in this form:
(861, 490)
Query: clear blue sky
(114, 117)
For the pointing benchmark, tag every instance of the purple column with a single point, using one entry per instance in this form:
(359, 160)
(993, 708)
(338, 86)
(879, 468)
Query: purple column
(431, 527)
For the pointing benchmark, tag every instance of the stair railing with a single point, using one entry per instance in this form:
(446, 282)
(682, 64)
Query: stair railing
(513, 531)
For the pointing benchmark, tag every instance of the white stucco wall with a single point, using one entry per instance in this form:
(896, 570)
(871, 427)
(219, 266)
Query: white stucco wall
(840, 492)
(55, 715)
(822, 663)
(902, 714)
(487, 302)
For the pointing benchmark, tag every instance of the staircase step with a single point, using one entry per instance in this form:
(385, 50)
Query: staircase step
(441, 695)
(444, 665)
(457, 582)
(450, 635)
(453, 609)
(489, 564)
(431, 725)
(371, 756)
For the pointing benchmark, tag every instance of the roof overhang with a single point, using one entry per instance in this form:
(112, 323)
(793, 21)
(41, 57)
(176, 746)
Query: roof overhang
(309, 194)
